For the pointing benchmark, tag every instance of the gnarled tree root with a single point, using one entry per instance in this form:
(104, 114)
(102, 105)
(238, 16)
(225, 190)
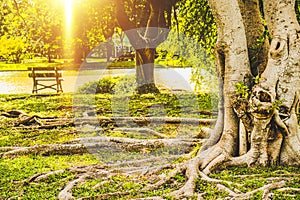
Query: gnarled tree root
(87, 145)
(200, 166)
(83, 173)
(195, 169)
(50, 149)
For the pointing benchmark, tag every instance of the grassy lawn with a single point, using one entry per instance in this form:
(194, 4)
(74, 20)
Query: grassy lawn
(67, 64)
(24, 66)
(64, 64)
(15, 172)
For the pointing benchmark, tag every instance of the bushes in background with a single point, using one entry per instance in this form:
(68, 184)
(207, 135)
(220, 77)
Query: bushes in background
(118, 84)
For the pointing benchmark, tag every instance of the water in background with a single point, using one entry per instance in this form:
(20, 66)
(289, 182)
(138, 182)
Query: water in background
(18, 82)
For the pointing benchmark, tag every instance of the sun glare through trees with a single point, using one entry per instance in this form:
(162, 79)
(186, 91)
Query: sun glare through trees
(149, 99)
(68, 23)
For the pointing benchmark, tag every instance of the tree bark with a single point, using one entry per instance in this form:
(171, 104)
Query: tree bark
(258, 44)
(145, 70)
(231, 51)
(258, 117)
(260, 121)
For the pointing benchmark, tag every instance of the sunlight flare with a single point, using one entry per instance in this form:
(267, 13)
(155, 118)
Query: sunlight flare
(68, 14)
(68, 26)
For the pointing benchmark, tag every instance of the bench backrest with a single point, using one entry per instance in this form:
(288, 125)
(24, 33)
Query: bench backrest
(44, 72)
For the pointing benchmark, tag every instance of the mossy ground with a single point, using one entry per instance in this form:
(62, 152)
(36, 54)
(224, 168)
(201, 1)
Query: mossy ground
(14, 171)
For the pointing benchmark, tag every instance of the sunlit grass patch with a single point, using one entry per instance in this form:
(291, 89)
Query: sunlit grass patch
(13, 172)
(28, 137)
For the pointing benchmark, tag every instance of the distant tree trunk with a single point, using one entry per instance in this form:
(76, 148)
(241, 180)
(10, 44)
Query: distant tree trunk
(49, 55)
(146, 39)
(145, 70)
(77, 54)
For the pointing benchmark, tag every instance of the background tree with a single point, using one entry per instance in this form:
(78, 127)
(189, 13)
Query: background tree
(93, 23)
(4, 11)
(40, 25)
(13, 30)
(12, 49)
(195, 20)
(146, 24)
(37, 23)
(46, 28)
(187, 51)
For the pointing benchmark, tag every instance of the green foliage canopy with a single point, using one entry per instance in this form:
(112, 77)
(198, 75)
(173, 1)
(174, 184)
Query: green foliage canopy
(196, 21)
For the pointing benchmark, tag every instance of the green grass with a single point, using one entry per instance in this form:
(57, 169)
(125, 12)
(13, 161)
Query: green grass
(43, 106)
(122, 64)
(28, 137)
(24, 66)
(160, 105)
(14, 171)
(63, 63)
(67, 64)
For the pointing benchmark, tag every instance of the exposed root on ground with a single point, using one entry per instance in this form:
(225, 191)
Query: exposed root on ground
(99, 124)
(266, 191)
(159, 179)
(195, 170)
(147, 131)
(91, 144)
(142, 121)
(49, 149)
(83, 173)
(193, 174)
(198, 168)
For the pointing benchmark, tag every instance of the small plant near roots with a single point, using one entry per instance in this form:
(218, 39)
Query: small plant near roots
(242, 91)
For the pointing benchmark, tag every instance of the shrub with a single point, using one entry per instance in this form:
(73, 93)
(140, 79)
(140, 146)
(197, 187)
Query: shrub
(125, 85)
(104, 85)
(107, 84)
(88, 88)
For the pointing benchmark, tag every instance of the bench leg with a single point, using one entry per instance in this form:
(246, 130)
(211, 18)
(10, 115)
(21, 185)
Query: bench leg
(34, 89)
(59, 87)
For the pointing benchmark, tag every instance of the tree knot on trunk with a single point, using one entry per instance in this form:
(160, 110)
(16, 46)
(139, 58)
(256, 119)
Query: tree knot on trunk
(279, 48)
(261, 104)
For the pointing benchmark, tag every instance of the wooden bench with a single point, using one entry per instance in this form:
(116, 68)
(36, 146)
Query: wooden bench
(46, 74)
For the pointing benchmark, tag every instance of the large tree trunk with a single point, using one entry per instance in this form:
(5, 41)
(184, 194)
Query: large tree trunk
(231, 51)
(285, 57)
(259, 107)
(261, 99)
